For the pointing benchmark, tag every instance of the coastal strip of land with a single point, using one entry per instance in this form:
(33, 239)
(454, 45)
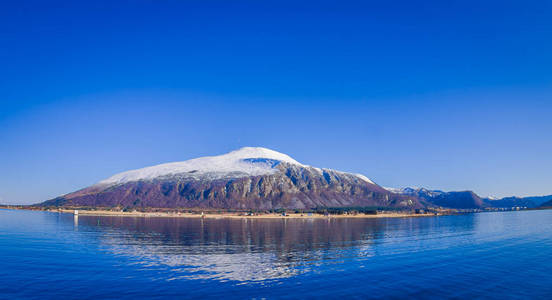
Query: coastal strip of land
(232, 215)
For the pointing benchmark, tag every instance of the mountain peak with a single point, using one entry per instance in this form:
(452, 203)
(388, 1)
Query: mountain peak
(259, 152)
(246, 161)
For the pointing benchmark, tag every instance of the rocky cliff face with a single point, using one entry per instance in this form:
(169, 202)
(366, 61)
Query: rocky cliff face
(261, 180)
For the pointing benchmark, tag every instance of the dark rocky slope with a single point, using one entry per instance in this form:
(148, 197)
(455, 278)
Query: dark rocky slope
(460, 200)
(436, 198)
(547, 204)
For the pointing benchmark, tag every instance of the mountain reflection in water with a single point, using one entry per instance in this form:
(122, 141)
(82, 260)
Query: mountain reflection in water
(249, 250)
(488, 255)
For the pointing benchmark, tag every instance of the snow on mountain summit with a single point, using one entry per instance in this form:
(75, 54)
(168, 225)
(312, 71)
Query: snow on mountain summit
(258, 152)
(247, 161)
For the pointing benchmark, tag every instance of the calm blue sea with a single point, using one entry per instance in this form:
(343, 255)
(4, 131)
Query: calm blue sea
(487, 255)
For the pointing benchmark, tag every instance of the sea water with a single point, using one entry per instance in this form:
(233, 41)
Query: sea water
(486, 255)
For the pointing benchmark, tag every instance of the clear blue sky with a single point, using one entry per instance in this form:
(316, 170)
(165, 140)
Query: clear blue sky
(452, 95)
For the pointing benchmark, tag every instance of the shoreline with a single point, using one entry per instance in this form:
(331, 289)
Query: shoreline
(232, 215)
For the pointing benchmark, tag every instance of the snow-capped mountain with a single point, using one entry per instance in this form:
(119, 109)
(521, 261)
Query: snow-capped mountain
(247, 161)
(248, 178)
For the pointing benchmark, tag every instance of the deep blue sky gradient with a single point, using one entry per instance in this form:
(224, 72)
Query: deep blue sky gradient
(453, 95)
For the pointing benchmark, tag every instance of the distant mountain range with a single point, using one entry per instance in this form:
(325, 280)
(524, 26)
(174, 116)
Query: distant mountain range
(469, 199)
(263, 179)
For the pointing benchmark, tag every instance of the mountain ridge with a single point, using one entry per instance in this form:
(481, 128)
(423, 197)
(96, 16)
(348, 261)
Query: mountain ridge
(469, 199)
(248, 178)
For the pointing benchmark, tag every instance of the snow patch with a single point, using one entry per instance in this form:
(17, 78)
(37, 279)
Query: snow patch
(247, 161)
(412, 191)
(364, 178)
(393, 190)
